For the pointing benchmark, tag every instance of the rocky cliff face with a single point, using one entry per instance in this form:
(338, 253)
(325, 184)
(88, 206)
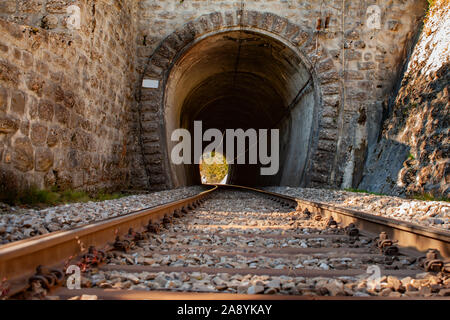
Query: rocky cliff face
(413, 154)
(64, 94)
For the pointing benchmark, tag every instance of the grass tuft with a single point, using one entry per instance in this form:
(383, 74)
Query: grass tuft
(364, 191)
(34, 197)
(429, 197)
(431, 3)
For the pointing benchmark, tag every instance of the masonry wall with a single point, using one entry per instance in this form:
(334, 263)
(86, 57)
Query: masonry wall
(358, 67)
(64, 94)
(68, 113)
(413, 154)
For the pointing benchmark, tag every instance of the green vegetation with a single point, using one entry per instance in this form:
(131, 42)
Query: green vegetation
(423, 197)
(213, 168)
(364, 191)
(431, 3)
(35, 197)
(411, 157)
(428, 197)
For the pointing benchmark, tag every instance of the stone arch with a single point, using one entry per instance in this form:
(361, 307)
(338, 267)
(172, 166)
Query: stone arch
(321, 163)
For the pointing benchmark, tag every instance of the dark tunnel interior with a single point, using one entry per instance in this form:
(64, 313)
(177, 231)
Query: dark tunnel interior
(242, 80)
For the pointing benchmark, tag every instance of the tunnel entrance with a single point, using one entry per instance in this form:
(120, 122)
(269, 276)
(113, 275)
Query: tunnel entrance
(243, 79)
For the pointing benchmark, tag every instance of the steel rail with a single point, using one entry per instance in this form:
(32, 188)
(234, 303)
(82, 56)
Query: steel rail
(112, 294)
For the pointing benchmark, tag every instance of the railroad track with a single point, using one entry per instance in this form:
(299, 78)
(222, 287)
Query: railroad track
(234, 243)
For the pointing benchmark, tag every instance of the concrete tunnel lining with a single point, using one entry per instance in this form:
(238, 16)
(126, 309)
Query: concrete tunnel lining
(234, 79)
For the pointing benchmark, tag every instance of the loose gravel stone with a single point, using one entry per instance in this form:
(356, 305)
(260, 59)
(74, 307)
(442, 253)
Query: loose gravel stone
(255, 290)
(18, 223)
(427, 213)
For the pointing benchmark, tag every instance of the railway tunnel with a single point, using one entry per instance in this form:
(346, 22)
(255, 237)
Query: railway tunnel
(242, 79)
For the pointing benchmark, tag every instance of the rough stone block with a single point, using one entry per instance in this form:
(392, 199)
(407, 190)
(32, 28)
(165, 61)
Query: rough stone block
(328, 134)
(35, 83)
(324, 66)
(267, 21)
(8, 124)
(80, 140)
(352, 35)
(354, 98)
(18, 101)
(27, 59)
(30, 6)
(9, 73)
(251, 18)
(62, 115)
(3, 47)
(50, 22)
(23, 158)
(353, 75)
(329, 77)
(328, 122)
(46, 110)
(291, 30)
(8, 6)
(359, 44)
(3, 99)
(15, 30)
(325, 145)
(52, 138)
(56, 6)
(301, 38)
(332, 101)
(330, 89)
(38, 134)
(64, 95)
(25, 127)
(279, 24)
(49, 179)
(203, 24)
(366, 65)
(44, 159)
(353, 55)
(216, 19)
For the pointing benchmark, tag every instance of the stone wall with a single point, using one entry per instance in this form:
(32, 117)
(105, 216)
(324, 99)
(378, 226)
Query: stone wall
(358, 67)
(65, 93)
(415, 139)
(68, 110)
(46, 14)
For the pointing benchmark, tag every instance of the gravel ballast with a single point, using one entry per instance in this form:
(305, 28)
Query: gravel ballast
(427, 213)
(18, 223)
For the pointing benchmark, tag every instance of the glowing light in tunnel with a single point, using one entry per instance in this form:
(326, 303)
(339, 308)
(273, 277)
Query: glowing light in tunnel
(214, 168)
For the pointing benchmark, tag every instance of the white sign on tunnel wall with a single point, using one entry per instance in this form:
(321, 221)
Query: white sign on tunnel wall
(150, 83)
(373, 14)
(257, 149)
